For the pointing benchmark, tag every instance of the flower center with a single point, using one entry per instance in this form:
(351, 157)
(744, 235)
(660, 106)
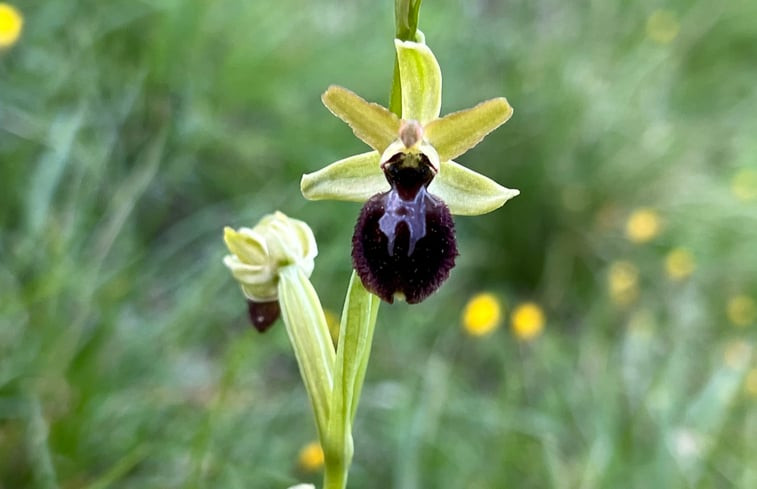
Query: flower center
(407, 173)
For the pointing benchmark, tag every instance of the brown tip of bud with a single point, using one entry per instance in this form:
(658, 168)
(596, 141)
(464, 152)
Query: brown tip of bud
(263, 314)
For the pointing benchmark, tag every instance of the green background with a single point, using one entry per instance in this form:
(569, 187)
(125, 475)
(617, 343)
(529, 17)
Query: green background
(131, 132)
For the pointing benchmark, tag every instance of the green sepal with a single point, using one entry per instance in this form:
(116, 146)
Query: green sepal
(309, 335)
(466, 192)
(354, 179)
(420, 80)
(456, 133)
(372, 123)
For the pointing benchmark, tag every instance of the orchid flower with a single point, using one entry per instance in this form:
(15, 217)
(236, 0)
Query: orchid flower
(404, 244)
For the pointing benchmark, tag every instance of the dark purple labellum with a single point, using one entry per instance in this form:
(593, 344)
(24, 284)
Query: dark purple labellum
(404, 241)
(263, 314)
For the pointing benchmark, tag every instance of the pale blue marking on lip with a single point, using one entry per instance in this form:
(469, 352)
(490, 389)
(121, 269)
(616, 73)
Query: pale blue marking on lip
(411, 212)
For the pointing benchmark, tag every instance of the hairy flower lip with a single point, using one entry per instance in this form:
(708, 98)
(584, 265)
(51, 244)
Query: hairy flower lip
(404, 242)
(403, 264)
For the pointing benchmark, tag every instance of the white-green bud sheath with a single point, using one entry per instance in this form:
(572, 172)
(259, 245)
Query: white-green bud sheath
(258, 253)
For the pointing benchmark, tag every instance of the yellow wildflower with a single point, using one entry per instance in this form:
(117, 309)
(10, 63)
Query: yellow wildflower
(662, 26)
(741, 310)
(482, 314)
(527, 321)
(311, 457)
(623, 279)
(643, 225)
(744, 185)
(679, 264)
(11, 23)
(750, 382)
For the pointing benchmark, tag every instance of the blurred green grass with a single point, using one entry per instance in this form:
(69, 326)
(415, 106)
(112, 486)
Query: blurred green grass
(132, 132)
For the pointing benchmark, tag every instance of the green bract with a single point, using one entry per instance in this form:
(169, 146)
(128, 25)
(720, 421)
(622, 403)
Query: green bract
(420, 131)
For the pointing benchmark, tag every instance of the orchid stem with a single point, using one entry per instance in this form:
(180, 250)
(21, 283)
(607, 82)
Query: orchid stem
(406, 18)
(335, 478)
(406, 29)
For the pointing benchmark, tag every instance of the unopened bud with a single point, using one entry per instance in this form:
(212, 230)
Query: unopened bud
(258, 253)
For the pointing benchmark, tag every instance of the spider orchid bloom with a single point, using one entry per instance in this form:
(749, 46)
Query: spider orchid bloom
(404, 242)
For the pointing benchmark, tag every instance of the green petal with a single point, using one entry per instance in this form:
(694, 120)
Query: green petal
(354, 179)
(420, 81)
(456, 133)
(468, 193)
(372, 123)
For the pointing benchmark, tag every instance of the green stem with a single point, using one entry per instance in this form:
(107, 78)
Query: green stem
(406, 29)
(406, 19)
(335, 477)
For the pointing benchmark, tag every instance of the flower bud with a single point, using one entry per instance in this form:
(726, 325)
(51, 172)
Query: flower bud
(258, 253)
